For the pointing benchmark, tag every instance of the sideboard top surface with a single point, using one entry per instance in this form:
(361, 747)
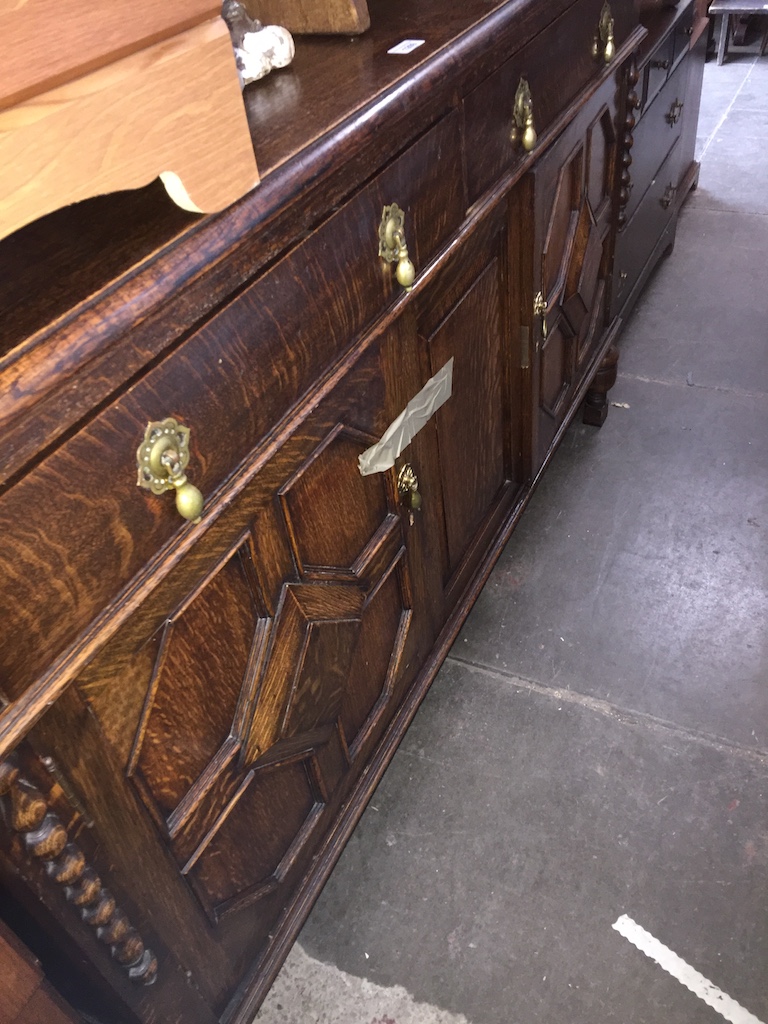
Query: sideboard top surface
(93, 293)
(73, 255)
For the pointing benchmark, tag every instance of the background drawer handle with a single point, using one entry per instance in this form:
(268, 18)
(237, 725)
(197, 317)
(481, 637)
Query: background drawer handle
(392, 245)
(162, 457)
(523, 129)
(674, 113)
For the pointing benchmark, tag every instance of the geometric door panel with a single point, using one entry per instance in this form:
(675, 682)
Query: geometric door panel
(182, 727)
(560, 257)
(573, 201)
(330, 509)
(301, 674)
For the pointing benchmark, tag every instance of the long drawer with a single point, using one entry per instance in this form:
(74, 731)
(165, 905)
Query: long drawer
(638, 240)
(558, 64)
(77, 528)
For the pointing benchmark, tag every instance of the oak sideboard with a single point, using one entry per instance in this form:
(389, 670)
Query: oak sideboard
(215, 626)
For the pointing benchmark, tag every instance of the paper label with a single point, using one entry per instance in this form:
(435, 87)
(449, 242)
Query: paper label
(407, 46)
(422, 407)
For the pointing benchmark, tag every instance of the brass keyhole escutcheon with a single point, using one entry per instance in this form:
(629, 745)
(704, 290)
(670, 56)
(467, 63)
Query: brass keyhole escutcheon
(161, 458)
(392, 246)
(540, 309)
(523, 128)
(408, 489)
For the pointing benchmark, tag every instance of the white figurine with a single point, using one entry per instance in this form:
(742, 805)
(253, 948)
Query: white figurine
(258, 48)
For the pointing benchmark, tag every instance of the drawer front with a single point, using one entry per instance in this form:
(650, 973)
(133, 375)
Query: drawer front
(658, 69)
(656, 134)
(637, 241)
(77, 529)
(558, 64)
(663, 61)
(683, 33)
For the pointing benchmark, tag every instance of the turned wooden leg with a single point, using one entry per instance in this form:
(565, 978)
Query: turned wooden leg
(596, 400)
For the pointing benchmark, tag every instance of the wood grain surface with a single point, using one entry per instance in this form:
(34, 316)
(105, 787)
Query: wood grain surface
(173, 108)
(321, 16)
(43, 45)
(25, 995)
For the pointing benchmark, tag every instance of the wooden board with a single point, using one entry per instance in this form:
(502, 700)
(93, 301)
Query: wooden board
(173, 110)
(313, 16)
(43, 44)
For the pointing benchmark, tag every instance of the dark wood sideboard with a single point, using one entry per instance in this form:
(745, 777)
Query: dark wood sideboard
(194, 713)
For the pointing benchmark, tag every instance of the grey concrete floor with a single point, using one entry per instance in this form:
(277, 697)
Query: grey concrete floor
(597, 741)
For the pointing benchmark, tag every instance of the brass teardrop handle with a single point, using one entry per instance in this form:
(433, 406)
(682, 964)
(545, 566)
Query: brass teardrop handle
(392, 246)
(162, 457)
(408, 489)
(605, 44)
(523, 128)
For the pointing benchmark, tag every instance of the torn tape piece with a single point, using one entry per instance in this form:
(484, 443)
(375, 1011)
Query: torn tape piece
(399, 434)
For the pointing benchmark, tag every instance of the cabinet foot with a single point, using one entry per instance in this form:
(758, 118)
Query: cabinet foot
(596, 400)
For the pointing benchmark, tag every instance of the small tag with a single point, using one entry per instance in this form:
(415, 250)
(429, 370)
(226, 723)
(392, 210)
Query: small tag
(407, 46)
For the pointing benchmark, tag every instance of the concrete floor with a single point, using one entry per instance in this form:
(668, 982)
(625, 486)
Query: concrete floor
(597, 742)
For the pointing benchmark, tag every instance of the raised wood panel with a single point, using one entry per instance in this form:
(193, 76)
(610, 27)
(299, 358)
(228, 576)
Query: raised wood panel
(377, 654)
(199, 679)
(470, 426)
(267, 821)
(332, 512)
(479, 430)
(556, 362)
(572, 186)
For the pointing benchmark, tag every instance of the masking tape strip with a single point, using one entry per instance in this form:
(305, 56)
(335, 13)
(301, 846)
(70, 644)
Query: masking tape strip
(399, 434)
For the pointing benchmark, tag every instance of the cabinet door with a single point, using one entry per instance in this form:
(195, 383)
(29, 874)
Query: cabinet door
(463, 315)
(215, 738)
(570, 192)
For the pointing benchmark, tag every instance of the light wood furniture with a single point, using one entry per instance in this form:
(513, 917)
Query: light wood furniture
(94, 100)
(313, 16)
(197, 712)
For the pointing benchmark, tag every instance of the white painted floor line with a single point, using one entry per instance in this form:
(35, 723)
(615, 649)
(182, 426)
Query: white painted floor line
(683, 972)
(729, 108)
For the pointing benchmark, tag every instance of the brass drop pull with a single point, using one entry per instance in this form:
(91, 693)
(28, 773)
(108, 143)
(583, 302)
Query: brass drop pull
(162, 457)
(408, 489)
(673, 115)
(540, 309)
(392, 245)
(604, 44)
(523, 129)
(669, 194)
